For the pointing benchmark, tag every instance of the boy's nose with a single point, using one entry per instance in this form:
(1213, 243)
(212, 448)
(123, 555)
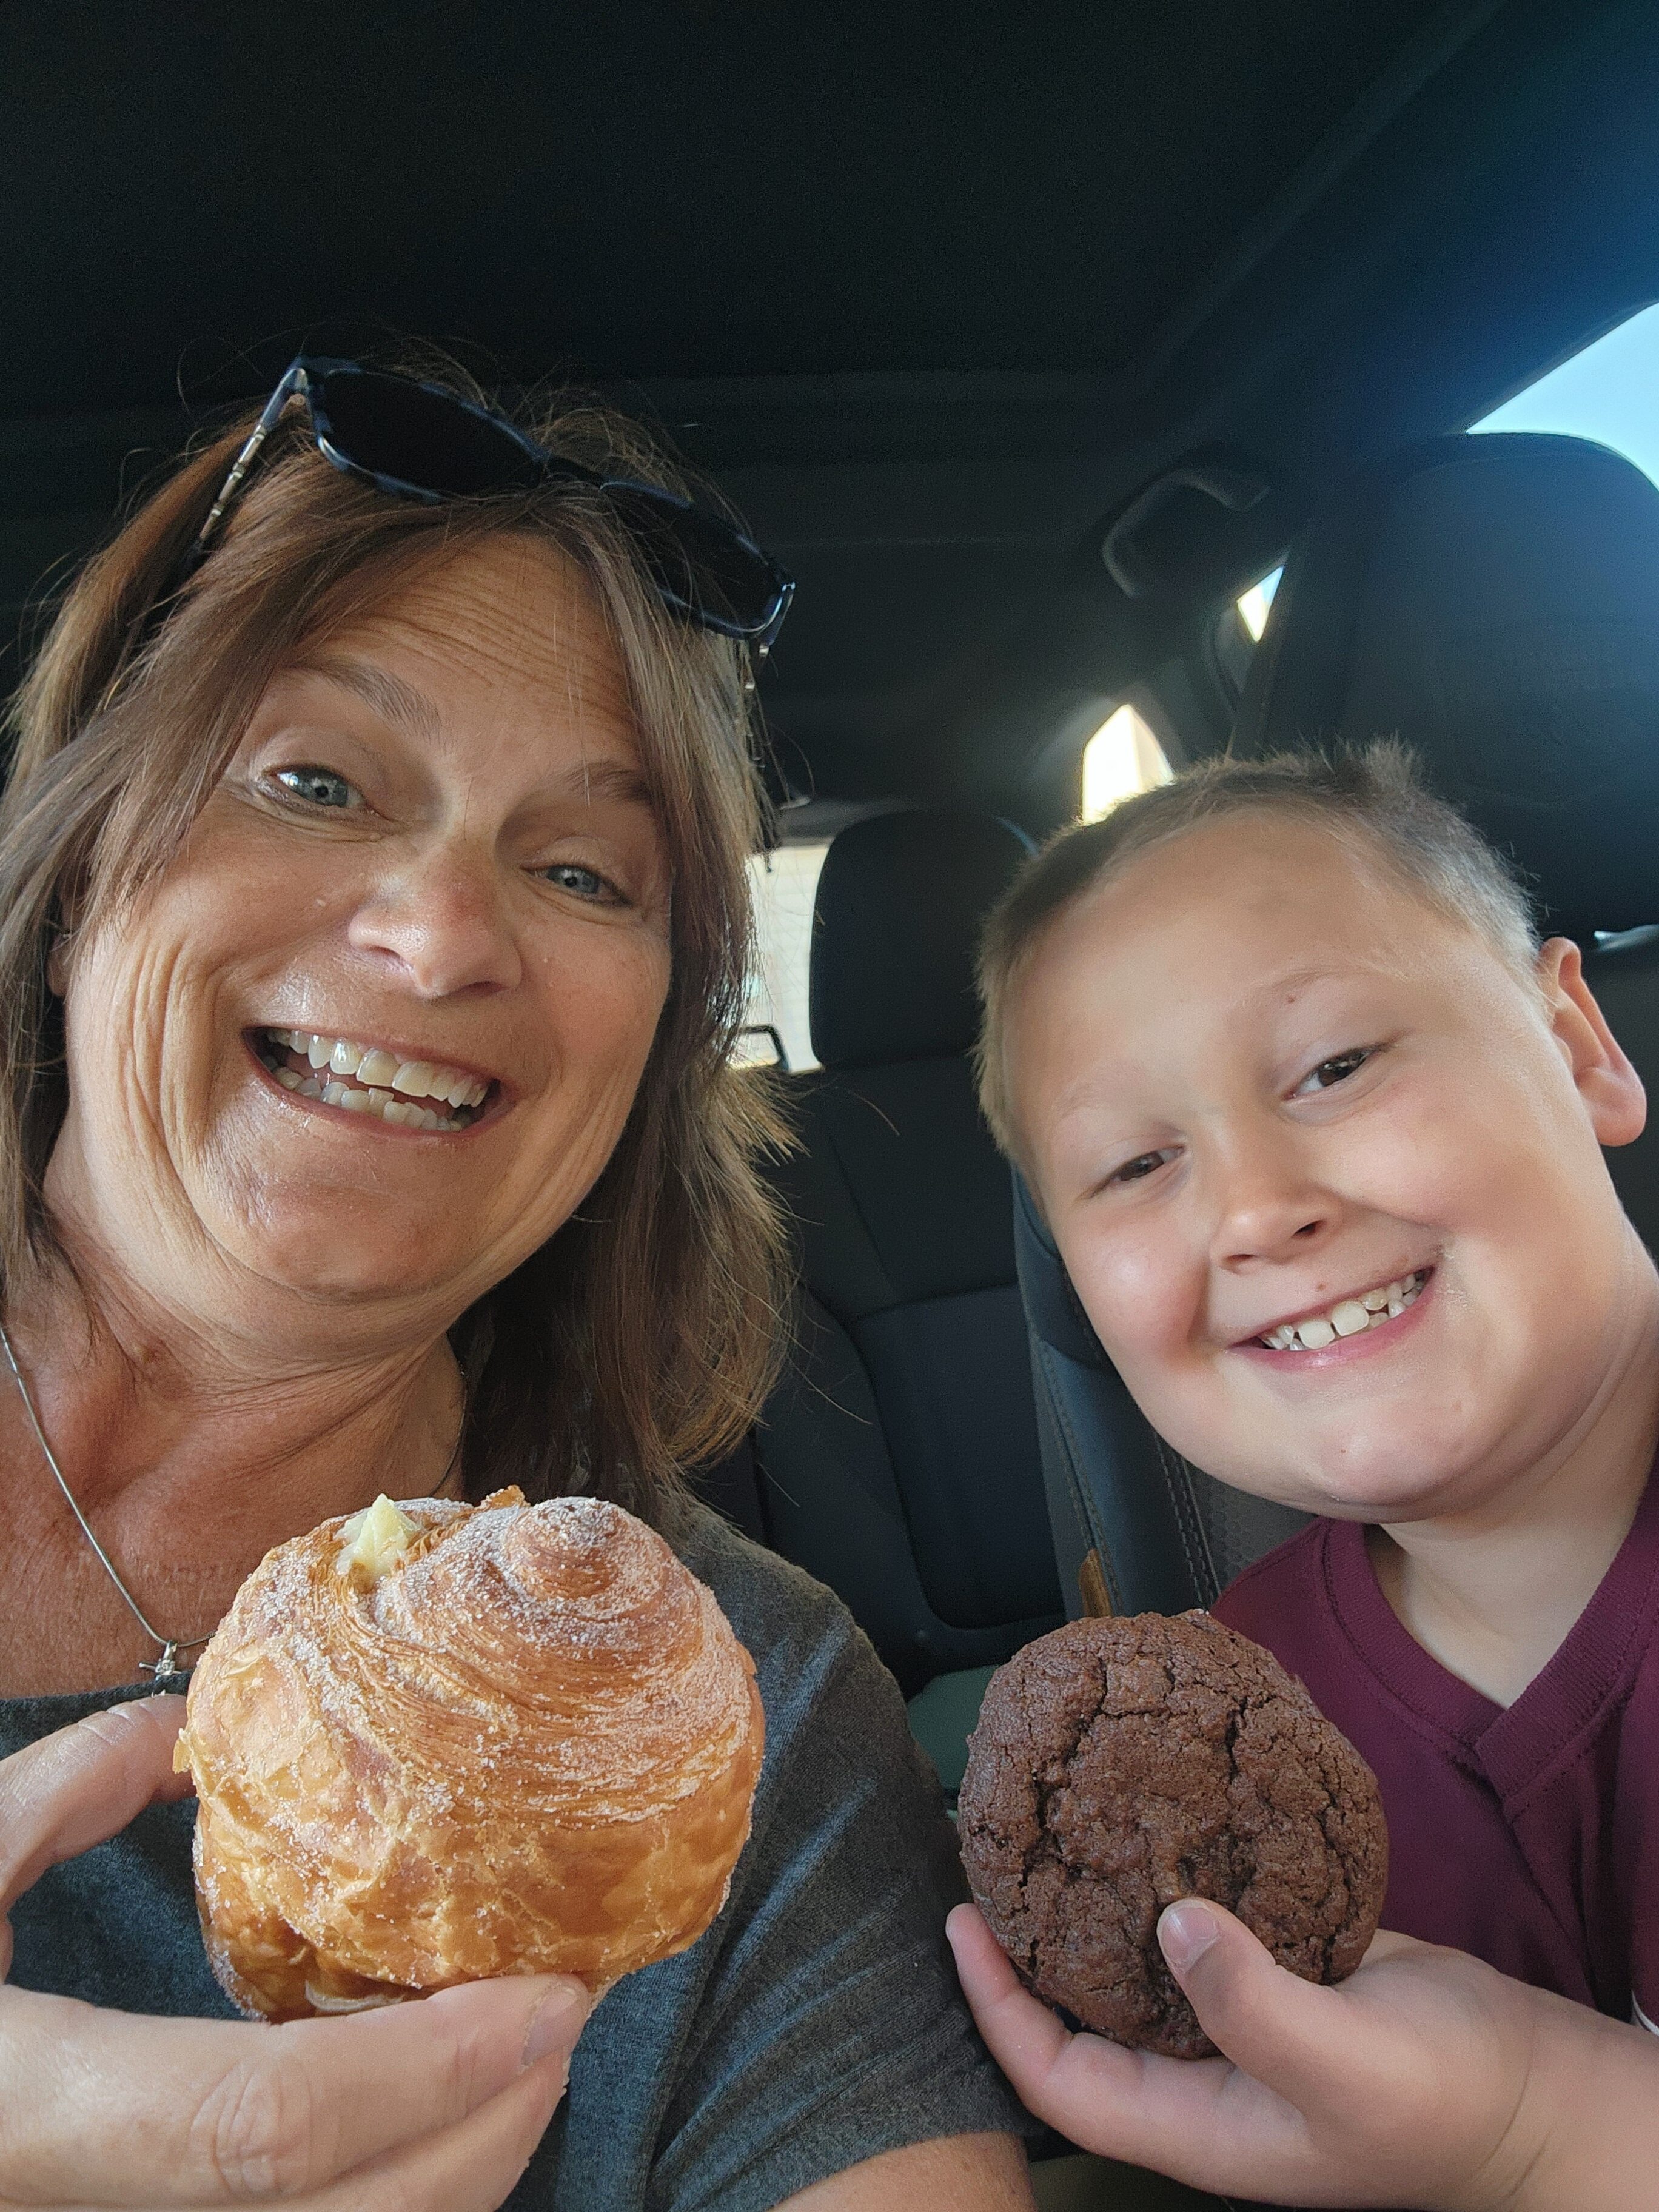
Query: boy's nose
(1270, 1213)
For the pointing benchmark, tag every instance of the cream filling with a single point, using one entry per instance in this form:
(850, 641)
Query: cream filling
(1348, 1316)
(417, 1094)
(322, 2001)
(375, 1540)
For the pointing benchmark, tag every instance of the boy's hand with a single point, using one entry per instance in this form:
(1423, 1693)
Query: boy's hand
(1426, 2079)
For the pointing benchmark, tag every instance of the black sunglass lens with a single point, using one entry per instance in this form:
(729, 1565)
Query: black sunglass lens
(397, 429)
(698, 561)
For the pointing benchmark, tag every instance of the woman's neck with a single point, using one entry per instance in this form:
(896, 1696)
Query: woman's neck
(154, 1400)
(1494, 1592)
(191, 1451)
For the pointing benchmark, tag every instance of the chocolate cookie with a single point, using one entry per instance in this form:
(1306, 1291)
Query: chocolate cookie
(1119, 1764)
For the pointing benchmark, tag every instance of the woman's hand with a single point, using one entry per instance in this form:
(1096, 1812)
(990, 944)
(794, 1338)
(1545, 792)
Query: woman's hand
(1426, 2079)
(437, 2104)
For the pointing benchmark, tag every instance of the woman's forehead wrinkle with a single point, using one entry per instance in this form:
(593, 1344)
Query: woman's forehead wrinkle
(516, 614)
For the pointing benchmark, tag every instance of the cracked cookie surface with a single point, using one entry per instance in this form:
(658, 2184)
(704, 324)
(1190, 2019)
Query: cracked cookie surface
(1119, 1764)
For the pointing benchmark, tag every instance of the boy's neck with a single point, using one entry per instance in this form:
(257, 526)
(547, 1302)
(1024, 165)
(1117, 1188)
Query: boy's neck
(1493, 1593)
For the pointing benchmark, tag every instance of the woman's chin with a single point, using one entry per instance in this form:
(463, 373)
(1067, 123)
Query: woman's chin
(340, 1260)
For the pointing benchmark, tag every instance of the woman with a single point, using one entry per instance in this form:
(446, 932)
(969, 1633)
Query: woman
(436, 759)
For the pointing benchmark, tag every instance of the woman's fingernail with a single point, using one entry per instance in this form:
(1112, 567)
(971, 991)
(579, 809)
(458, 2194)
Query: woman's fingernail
(1186, 1931)
(556, 2021)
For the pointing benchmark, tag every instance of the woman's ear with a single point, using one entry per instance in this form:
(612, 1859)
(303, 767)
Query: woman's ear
(1609, 1087)
(58, 966)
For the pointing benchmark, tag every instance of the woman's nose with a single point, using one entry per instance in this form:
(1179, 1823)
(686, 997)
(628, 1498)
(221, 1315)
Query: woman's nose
(444, 922)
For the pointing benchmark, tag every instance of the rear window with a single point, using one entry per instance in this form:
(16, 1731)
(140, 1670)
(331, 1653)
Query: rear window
(783, 884)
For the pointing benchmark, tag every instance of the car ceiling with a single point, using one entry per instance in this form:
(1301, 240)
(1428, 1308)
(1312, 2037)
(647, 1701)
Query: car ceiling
(931, 291)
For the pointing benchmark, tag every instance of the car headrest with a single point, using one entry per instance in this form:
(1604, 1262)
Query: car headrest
(1053, 1311)
(895, 931)
(1494, 601)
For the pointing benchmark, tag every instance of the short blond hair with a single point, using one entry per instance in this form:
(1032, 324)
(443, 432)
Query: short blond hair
(1371, 798)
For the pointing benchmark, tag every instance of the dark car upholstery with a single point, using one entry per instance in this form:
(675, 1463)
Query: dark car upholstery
(897, 1458)
(1494, 600)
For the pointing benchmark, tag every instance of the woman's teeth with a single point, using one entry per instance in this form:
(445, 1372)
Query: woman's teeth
(366, 1081)
(1348, 1318)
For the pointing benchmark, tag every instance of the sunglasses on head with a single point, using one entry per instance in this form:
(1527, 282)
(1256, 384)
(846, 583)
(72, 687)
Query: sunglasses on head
(419, 442)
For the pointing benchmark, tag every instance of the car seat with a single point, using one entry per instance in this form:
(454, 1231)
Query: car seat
(1494, 600)
(897, 1459)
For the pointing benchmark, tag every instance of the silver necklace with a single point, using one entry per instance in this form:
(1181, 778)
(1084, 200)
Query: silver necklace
(164, 1671)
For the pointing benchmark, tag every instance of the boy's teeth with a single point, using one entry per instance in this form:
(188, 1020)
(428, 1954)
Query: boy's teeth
(414, 1093)
(1348, 1318)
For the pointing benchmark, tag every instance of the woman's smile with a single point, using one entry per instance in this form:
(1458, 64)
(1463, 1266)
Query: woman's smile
(381, 1085)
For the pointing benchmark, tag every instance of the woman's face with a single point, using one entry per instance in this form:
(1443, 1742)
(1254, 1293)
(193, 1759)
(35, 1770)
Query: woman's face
(434, 853)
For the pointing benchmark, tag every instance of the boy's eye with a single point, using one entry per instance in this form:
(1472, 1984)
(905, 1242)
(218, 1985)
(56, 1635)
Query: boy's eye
(319, 786)
(1137, 1170)
(1334, 1071)
(582, 883)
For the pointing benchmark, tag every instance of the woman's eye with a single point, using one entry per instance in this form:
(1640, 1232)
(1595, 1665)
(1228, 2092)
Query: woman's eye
(319, 786)
(1334, 1071)
(582, 883)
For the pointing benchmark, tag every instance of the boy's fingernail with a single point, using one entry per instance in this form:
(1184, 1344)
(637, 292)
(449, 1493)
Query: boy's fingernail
(1186, 1932)
(557, 2020)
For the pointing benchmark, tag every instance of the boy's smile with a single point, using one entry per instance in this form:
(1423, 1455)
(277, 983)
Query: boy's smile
(1344, 1320)
(1327, 1173)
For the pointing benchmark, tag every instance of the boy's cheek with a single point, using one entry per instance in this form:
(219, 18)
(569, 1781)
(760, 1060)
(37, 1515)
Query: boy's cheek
(1144, 1302)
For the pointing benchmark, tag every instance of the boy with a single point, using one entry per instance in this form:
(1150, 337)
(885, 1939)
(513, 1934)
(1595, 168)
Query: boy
(1317, 1127)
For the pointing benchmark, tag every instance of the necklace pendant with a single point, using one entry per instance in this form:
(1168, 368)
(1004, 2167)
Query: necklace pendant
(165, 1671)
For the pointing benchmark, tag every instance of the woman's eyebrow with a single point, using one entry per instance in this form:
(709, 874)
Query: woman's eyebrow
(609, 779)
(389, 696)
(396, 700)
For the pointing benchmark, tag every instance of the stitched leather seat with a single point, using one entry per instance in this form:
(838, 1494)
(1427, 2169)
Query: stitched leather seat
(898, 1457)
(1495, 601)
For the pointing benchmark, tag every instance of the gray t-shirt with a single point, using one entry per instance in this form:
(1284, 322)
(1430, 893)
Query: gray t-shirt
(816, 2024)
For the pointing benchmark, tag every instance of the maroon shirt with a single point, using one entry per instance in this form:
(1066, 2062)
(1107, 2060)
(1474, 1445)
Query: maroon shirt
(1530, 1835)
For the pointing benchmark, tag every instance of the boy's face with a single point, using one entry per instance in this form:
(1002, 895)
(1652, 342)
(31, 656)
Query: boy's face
(1254, 1083)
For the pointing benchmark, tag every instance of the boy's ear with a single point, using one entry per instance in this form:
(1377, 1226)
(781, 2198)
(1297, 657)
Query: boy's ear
(1608, 1084)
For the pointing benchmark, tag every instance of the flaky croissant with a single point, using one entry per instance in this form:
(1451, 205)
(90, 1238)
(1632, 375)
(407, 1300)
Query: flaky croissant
(439, 1742)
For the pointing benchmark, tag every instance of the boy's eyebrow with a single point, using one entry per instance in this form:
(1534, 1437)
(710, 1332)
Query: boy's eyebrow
(1298, 978)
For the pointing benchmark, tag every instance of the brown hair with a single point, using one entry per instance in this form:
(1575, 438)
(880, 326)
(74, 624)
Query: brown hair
(1371, 797)
(642, 1338)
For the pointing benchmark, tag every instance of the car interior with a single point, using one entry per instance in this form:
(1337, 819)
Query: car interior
(1031, 342)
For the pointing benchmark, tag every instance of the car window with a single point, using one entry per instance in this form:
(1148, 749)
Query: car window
(1606, 391)
(1252, 606)
(1123, 757)
(783, 884)
(1238, 630)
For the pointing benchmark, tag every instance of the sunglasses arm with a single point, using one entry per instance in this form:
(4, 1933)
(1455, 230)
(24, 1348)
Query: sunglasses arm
(293, 386)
